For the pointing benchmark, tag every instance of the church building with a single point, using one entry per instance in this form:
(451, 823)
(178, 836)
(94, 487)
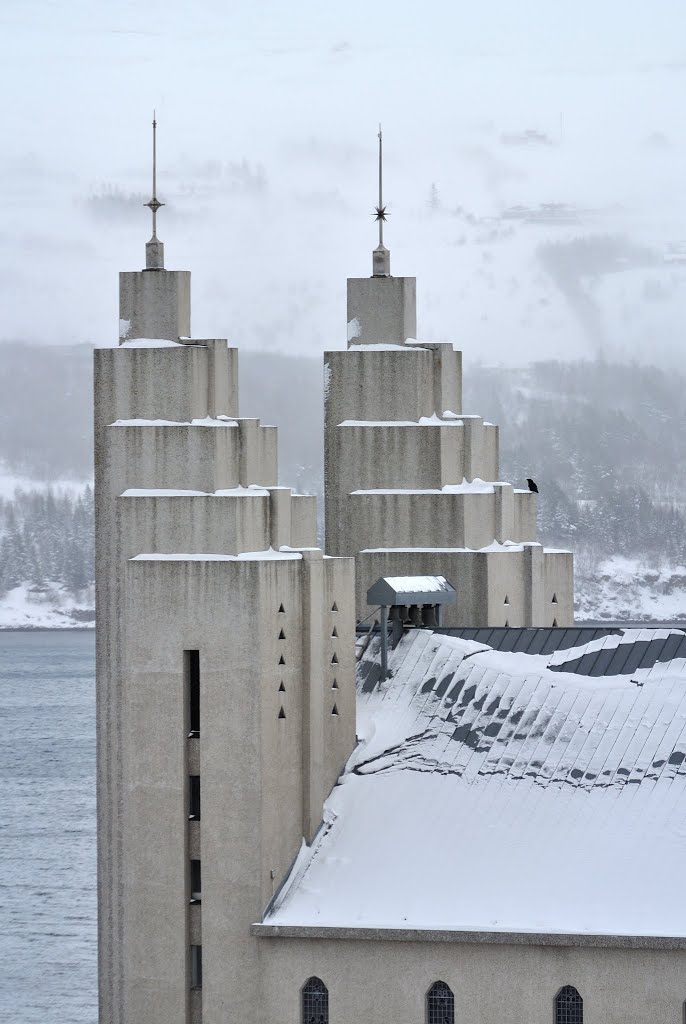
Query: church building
(492, 829)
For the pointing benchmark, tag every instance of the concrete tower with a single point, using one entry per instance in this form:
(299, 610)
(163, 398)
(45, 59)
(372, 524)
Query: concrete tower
(411, 482)
(225, 667)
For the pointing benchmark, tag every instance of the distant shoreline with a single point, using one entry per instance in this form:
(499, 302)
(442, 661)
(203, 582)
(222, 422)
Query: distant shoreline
(48, 629)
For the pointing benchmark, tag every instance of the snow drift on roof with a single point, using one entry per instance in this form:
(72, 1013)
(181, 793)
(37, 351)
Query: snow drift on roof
(491, 793)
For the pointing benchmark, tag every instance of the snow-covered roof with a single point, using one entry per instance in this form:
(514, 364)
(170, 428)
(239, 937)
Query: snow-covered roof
(500, 792)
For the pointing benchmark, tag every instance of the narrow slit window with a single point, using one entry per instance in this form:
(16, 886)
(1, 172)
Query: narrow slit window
(282, 713)
(282, 660)
(554, 623)
(334, 632)
(554, 600)
(440, 1004)
(192, 673)
(315, 1002)
(282, 635)
(194, 797)
(334, 685)
(282, 610)
(334, 660)
(282, 688)
(196, 882)
(507, 600)
(569, 1006)
(334, 607)
(334, 711)
(196, 966)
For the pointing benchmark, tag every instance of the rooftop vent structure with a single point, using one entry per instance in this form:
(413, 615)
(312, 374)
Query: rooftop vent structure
(409, 600)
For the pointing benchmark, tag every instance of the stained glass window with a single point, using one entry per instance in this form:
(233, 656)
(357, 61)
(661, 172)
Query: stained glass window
(569, 1006)
(315, 1002)
(440, 1004)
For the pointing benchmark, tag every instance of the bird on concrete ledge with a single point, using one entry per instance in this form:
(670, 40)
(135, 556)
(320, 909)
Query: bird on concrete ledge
(532, 485)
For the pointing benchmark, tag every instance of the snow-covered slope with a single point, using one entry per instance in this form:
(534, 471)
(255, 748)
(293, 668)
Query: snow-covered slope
(50, 607)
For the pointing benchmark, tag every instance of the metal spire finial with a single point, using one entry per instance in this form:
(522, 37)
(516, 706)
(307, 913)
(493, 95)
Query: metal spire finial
(381, 257)
(154, 249)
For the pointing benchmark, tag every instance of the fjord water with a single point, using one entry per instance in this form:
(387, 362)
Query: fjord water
(48, 952)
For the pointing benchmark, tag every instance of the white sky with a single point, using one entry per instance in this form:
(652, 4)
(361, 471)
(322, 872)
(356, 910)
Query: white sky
(298, 90)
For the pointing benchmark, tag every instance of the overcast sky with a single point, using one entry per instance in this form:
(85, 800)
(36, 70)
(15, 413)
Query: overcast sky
(267, 127)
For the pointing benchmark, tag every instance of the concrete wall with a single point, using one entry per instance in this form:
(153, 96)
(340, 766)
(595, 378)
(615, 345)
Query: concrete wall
(171, 383)
(382, 310)
(417, 456)
(382, 981)
(155, 304)
(196, 457)
(558, 600)
(263, 777)
(441, 519)
(495, 588)
(366, 384)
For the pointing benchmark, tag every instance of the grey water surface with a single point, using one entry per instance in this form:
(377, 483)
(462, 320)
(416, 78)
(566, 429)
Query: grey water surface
(48, 953)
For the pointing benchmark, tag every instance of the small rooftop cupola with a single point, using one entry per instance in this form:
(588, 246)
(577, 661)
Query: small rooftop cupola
(381, 257)
(382, 310)
(154, 249)
(154, 303)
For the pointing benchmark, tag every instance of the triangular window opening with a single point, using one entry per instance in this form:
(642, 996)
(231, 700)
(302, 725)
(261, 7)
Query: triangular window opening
(282, 660)
(554, 623)
(334, 660)
(282, 688)
(334, 632)
(282, 635)
(334, 710)
(282, 610)
(334, 685)
(282, 713)
(507, 624)
(554, 600)
(507, 600)
(334, 607)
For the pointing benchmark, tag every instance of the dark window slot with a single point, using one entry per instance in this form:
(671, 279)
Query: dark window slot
(196, 966)
(196, 882)
(192, 672)
(194, 797)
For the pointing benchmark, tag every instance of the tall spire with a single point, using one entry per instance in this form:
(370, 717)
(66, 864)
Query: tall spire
(154, 249)
(381, 257)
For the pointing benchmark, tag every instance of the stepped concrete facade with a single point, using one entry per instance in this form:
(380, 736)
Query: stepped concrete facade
(412, 483)
(225, 665)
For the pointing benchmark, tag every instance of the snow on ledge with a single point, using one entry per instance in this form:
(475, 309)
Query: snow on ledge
(386, 348)
(475, 486)
(507, 545)
(253, 491)
(152, 343)
(207, 421)
(283, 554)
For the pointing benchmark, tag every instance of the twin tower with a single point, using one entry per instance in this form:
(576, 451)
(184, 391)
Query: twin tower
(225, 638)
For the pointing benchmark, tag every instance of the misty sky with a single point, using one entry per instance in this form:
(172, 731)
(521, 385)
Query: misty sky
(267, 119)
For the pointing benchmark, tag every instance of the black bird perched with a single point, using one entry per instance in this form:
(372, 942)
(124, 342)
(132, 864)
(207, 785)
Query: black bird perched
(532, 485)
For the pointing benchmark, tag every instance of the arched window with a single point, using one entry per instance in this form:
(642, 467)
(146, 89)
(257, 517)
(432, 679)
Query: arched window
(440, 1004)
(315, 1002)
(569, 1006)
